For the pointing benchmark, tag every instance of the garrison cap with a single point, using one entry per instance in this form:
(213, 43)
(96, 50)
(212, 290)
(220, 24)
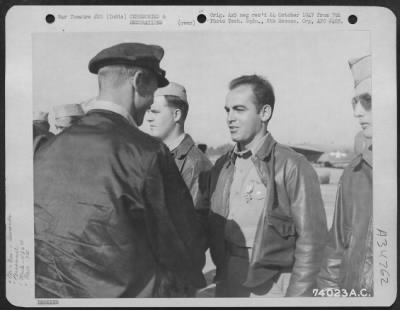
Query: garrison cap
(361, 70)
(172, 89)
(40, 116)
(133, 54)
(68, 110)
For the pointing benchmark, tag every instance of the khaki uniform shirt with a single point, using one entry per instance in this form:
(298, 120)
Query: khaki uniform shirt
(246, 200)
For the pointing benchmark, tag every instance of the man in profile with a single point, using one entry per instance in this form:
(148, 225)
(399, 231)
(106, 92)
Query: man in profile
(166, 118)
(113, 217)
(267, 224)
(348, 259)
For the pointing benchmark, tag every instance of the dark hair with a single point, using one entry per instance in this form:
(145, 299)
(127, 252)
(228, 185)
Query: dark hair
(262, 89)
(178, 103)
(364, 99)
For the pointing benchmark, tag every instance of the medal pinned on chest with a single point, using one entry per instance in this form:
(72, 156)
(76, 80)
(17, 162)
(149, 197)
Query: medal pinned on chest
(254, 190)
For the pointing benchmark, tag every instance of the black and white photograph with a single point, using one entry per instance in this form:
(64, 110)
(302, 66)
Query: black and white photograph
(207, 164)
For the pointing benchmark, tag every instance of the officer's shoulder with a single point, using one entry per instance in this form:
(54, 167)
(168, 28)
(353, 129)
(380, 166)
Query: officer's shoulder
(289, 153)
(196, 155)
(350, 173)
(349, 169)
(223, 158)
(138, 139)
(292, 160)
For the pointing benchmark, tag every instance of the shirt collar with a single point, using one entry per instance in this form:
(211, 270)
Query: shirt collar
(253, 151)
(242, 154)
(263, 149)
(175, 143)
(113, 107)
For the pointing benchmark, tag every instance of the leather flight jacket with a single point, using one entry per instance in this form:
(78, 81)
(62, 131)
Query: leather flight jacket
(348, 256)
(292, 229)
(192, 163)
(112, 212)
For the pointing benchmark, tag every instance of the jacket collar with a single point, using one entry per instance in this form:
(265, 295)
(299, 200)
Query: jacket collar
(365, 156)
(112, 107)
(172, 145)
(261, 151)
(184, 147)
(266, 147)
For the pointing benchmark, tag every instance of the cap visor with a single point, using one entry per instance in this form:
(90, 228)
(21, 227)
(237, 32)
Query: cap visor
(162, 81)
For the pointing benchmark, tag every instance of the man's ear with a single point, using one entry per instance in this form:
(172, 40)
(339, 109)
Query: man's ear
(138, 83)
(266, 113)
(177, 115)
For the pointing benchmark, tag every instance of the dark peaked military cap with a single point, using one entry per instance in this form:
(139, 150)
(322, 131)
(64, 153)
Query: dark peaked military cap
(132, 54)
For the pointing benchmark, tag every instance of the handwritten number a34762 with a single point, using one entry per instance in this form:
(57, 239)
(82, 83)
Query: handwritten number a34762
(383, 259)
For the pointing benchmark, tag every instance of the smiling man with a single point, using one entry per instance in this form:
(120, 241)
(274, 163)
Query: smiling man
(348, 259)
(267, 224)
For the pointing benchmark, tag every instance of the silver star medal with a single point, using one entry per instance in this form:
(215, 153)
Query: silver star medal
(248, 192)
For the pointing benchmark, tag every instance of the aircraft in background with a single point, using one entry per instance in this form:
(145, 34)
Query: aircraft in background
(327, 157)
(311, 152)
(318, 155)
(336, 159)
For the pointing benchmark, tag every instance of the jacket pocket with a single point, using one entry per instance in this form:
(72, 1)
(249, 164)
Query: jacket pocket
(278, 243)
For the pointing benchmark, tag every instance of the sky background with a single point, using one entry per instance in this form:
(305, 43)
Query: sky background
(308, 70)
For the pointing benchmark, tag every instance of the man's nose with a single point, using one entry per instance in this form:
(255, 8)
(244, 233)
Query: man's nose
(358, 110)
(230, 117)
(149, 116)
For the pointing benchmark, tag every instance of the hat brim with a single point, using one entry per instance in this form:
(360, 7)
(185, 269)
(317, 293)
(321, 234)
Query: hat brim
(162, 81)
(96, 65)
(158, 72)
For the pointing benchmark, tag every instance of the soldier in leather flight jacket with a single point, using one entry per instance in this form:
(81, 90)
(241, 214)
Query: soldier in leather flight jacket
(166, 119)
(348, 258)
(113, 217)
(267, 223)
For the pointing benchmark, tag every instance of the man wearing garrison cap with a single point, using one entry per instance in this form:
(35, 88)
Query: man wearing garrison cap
(66, 115)
(41, 128)
(113, 216)
(167, 117)
(348, 259)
